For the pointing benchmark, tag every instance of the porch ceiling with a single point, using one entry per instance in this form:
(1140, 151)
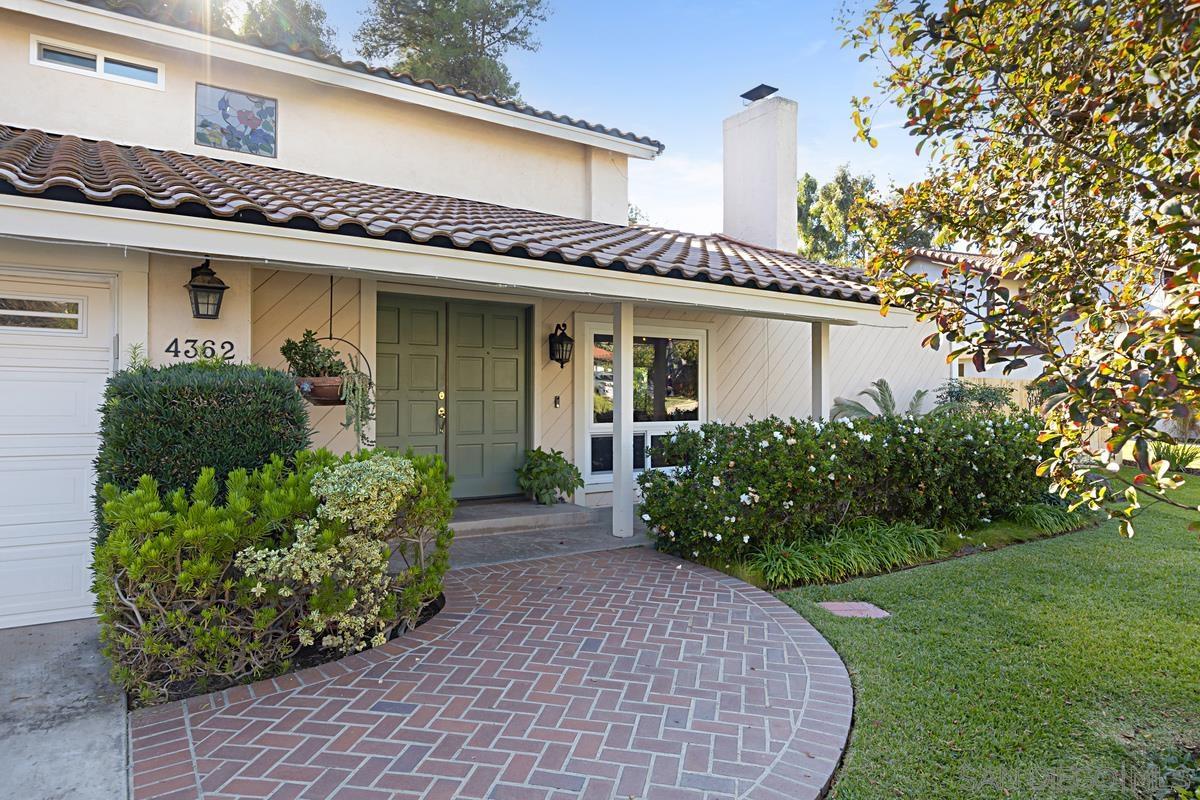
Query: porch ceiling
(66, 168)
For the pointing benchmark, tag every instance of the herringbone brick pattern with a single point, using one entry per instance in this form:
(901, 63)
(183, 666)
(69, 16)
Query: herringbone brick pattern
(622, 674)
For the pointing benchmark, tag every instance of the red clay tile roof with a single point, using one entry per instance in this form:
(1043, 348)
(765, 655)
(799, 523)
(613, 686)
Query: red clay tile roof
(68, 168)
(188, 16)
(952, 258)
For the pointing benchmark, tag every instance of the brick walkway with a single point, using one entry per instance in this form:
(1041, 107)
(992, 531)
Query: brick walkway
(614, 675)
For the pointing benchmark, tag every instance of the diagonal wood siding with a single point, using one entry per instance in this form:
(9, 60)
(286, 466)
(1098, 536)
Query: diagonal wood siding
(283, 305)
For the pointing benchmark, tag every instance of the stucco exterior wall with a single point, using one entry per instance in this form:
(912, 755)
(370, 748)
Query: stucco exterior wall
(284, 304)
(174, 335)
(323, 129)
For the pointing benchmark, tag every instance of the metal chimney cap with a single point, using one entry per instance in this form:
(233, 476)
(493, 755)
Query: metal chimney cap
(759, 92)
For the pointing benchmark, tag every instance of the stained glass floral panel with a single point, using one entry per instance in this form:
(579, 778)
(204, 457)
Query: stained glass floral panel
(232, 120)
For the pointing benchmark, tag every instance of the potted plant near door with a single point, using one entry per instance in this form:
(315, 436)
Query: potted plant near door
(319, 370)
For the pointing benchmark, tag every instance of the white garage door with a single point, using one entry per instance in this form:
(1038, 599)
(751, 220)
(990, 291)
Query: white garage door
(56, 350)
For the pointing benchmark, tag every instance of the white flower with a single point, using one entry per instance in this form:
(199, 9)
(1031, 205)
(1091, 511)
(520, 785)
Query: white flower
(832, 477)
(778, 436)
(980, 496)
(717, 537)
(716, 480)
(745, 499)
(646, 517)
(812, 468)
(764, 444)
(745, 540)
(791, 441)
(695, 554)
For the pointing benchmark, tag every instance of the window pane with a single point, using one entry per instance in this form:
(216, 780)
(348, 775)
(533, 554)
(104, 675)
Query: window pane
(43, 323)
(666, 379)
(602, 452)
(125, 69)
(27, 304)
(602, 381)
(70, 58)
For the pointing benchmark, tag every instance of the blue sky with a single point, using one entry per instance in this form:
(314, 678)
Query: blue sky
(673, 70)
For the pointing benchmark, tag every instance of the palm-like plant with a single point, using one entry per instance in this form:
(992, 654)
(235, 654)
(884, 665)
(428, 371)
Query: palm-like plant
(880, 392)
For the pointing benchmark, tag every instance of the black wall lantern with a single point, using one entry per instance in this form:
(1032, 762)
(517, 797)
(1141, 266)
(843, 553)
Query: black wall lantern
(561, 345)
(206, 291)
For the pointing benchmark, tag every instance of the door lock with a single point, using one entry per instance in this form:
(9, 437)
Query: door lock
(441, 395)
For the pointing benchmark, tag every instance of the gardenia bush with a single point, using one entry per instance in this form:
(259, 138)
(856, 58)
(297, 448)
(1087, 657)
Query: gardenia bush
(222, 584)
(742, 487)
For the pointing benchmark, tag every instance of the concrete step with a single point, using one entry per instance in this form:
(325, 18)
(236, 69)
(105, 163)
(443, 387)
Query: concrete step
(485, 518)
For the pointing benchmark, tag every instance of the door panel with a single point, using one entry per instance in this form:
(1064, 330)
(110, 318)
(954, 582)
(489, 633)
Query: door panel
(475, 354)
(411, 351)
(486, 394)
(52, 374)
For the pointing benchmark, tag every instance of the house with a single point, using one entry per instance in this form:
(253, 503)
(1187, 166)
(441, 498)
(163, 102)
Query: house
(441, 234)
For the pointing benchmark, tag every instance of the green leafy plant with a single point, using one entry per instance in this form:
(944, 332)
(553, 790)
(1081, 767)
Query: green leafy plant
(308, 358)
(967, 397)
(880, 392)
(545, 476)
(1180, 454)
(360, 407)
(1047, 518)
(864, 547)
(171, 422)
(222, 584)
(737, 487)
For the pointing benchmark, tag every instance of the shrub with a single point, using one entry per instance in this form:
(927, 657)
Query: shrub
(544, 476)
(864, 547)
(171, 422)
(740, 486)
(966, 396)
(195, 592)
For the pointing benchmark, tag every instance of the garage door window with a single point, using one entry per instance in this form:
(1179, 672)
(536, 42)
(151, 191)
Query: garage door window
(41, 314)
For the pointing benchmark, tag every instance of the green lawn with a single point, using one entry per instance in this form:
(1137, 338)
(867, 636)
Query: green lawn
(1054, 669)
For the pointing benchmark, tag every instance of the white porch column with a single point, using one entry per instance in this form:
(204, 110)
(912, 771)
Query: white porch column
(622, 505)
(821, 400)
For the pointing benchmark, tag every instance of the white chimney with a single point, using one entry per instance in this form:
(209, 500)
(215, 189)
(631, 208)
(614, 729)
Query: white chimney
(760, 171)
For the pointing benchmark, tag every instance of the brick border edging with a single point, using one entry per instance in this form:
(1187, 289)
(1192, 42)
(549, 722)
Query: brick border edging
(829, 698)
(169, 724)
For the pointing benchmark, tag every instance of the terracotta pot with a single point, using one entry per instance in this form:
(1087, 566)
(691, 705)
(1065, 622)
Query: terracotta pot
(326, 391)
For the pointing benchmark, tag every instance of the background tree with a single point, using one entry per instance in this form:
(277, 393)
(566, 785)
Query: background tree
(824, 218)
(299, 23)
(459, 42)
(1065, 138)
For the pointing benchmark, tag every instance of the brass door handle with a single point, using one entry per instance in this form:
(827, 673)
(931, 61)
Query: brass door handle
(441, 412)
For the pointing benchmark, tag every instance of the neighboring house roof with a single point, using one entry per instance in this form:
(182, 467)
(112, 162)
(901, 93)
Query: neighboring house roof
(952, 258)
(68, 168)
(185, 16)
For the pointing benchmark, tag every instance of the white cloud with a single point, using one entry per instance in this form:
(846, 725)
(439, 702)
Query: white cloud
(678, 191)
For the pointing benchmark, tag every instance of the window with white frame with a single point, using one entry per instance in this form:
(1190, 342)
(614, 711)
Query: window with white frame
(46, 314)
(669, 390)
(98, 63)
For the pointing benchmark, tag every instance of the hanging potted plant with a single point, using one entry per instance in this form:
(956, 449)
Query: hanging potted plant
(319, 370)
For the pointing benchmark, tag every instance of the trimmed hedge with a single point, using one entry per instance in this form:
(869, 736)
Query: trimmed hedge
(743, 486)
(171, 422)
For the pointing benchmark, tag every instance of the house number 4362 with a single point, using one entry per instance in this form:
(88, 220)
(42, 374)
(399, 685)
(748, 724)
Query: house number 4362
(200, 348)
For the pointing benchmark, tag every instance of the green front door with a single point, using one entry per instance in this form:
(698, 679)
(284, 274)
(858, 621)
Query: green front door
(452, 380)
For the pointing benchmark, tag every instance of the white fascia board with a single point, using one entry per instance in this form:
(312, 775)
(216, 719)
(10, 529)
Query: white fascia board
(169, 36)
(47, 220)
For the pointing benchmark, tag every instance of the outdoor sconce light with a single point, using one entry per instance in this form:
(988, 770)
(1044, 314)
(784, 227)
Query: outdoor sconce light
(206, 291)
(561, 345)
